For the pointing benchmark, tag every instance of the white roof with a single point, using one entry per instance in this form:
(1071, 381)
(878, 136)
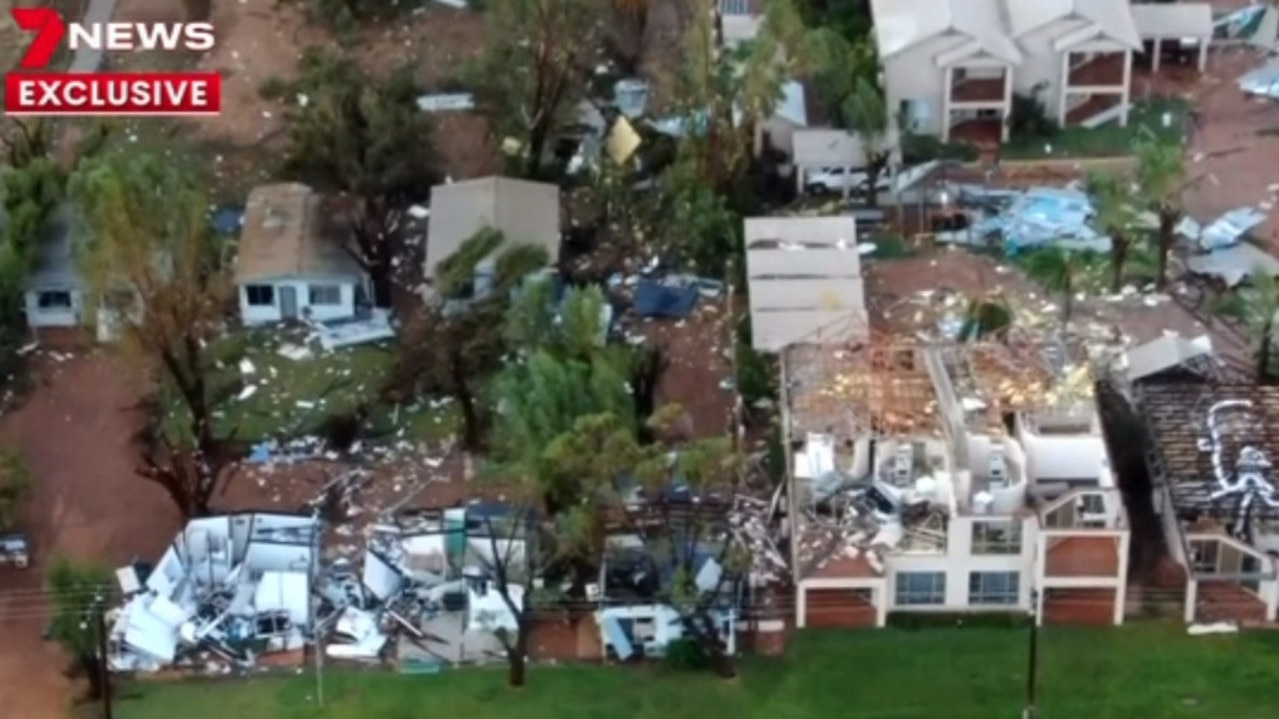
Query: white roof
(1173, 21)
(1164, 353)
(793, 107)
(902, 24)
(823, 147)
(1112, 17)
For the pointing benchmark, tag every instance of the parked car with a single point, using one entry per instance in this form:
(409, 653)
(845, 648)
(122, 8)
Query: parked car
(831, 180)
(15, 550)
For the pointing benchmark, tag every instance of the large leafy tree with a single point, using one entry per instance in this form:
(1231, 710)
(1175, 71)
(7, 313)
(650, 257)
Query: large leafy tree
(537, 60)
(1061, 272)
(157, 276)
(352, 133)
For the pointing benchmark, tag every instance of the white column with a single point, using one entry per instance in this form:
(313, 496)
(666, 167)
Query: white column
(1004, 129)
(1127, 96)
(1121, 587)
(1061, 91)
(1154, 61)
(1203, 54)
(801, 606)
(880, 597)
(949, 77)
(1192, 596)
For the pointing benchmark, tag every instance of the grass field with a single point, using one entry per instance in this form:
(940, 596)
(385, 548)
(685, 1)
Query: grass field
(1146, 120)
(1137, 672)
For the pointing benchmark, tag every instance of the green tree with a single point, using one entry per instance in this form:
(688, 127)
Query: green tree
(351, 133)
(15, 488)
(865, 113)
(78, 591)
(156, 275)
(456, 342)
(537, 60)
(1257, 304)
(1161, 175)
(1059, 270)
(1115, 205)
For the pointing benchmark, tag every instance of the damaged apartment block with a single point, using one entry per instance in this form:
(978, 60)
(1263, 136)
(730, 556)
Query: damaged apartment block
(949, 477)
(1210, 450)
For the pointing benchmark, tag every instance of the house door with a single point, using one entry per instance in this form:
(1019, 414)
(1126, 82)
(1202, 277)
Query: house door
(288, 302)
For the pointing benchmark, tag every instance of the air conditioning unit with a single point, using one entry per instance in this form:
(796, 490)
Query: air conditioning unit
(998, 473)
(903, 465)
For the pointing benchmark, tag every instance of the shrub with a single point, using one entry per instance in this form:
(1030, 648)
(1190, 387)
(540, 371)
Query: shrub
(687, 655)
(935, 620)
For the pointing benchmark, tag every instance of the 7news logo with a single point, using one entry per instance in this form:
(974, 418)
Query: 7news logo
(34, 90)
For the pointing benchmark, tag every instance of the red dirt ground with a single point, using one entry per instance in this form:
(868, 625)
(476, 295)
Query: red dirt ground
(73, 430)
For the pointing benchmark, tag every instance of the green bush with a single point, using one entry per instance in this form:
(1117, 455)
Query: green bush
(687, 655)
(918, 149)
(936, 620)
(754, 371)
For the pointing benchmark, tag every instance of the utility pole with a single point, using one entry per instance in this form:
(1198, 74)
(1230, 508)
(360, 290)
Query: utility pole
(1032, 669)
(104, 669)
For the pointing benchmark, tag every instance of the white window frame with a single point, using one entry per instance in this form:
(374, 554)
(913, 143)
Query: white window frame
(930, 596)
(50, 307)
(316, 295)
(1002, 537)
(249, 291)
(1006, 593)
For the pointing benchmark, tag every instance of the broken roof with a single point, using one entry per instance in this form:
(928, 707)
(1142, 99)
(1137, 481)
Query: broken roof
(1178, 428)
(524, 212)
(824, 147)
(55, 267)
(291, 231)
(1163, 353)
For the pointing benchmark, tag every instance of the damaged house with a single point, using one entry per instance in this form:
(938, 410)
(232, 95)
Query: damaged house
(429, 575)
(229, 589)
(957, 478)
(652, 587)
(1209, 449)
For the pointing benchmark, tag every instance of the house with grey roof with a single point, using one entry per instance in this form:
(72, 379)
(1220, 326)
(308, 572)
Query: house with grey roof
(948, 63)
(524, 212)
(292, 263)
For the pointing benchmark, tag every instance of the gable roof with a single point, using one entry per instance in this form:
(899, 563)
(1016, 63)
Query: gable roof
(1113, 18)
(290, 231)
(903, 24)
(1173, 21)
(525, 212)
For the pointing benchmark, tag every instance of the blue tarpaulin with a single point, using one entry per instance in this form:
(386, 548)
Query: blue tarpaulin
(227, 220)
(617, 638)
(654, 299)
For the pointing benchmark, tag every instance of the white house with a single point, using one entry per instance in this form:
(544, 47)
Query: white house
(947, 62)
(291, 262)
(55, 292)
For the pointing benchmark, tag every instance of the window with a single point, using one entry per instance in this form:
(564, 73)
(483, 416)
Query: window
(260, 295)
(997, 537)
(54, 301)
(921, 588)
(998, 588)
(324, 295)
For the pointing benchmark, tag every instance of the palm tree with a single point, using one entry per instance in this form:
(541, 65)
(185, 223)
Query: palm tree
(865, 113)
(1059, 270)
(1161, 175)
(1257, 304)
(1116, 218)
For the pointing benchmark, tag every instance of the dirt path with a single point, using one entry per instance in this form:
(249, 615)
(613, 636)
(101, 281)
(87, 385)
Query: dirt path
(74, 431)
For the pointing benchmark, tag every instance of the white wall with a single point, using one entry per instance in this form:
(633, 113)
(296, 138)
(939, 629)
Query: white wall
(913, 75)
(37, 317)
(1057, 457)
(959, 561)
(253, 314)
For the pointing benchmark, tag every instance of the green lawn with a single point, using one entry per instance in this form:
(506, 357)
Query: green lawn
(296, 396)
(1137, 672)
(1110, 140)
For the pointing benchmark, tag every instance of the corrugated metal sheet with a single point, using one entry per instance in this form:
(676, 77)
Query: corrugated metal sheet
(774, 331)
(816, 294)
(809, 263)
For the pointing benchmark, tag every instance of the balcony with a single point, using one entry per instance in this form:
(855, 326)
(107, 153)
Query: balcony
(1082, 556)
(1103, 70)
(978, 90)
